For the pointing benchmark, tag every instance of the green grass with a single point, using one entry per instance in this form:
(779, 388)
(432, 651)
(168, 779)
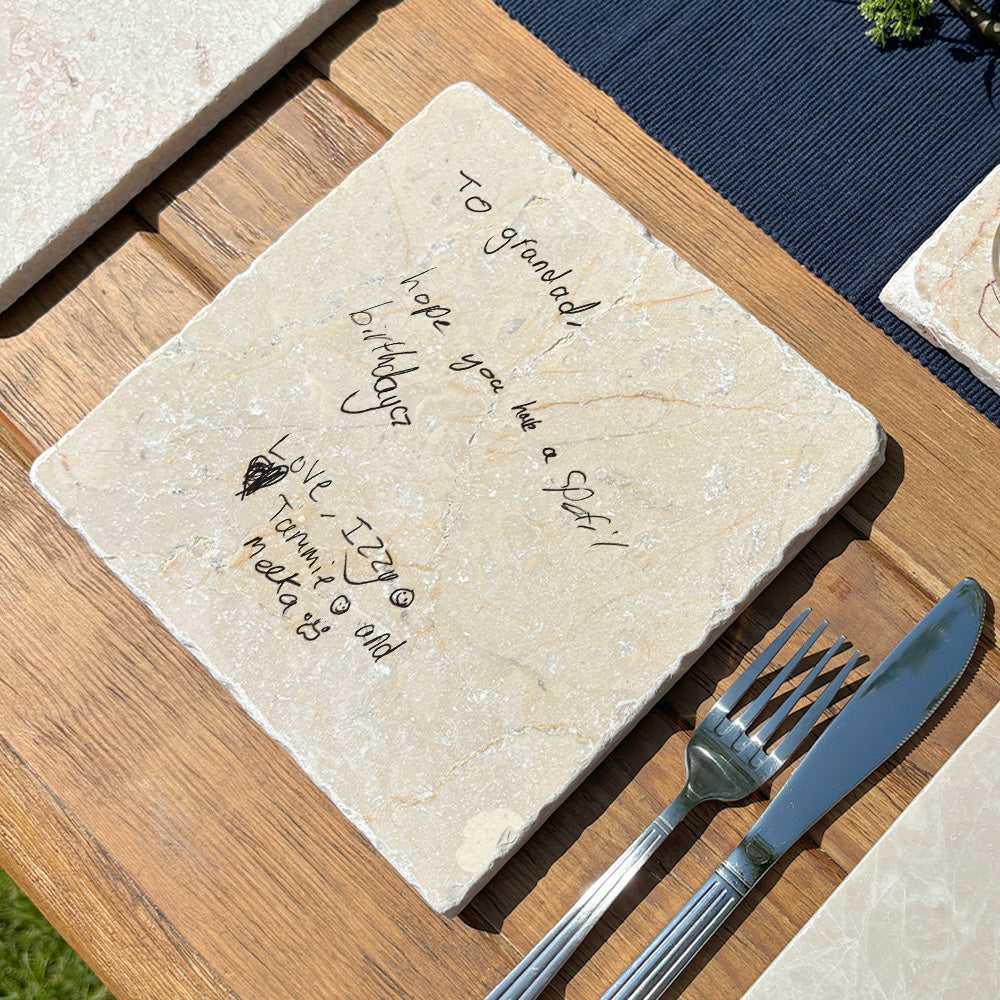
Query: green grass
(35, 962)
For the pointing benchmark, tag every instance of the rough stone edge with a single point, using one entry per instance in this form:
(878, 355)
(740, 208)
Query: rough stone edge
(900, 296)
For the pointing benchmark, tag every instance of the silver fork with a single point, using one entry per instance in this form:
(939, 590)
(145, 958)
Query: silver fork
(724, 763)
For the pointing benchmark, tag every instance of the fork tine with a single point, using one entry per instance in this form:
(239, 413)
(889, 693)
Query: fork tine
(770, 727)
(732, 696)
(788, 744)
(751, 713)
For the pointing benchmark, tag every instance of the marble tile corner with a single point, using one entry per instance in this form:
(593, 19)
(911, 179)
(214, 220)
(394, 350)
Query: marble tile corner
(947, 290)
(96, 100)
(917, 918)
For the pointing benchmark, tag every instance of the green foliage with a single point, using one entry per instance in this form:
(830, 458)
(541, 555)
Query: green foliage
(900, 19)
(35, 963)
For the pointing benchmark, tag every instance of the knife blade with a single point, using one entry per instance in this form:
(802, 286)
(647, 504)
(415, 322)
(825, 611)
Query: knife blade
(894, 701)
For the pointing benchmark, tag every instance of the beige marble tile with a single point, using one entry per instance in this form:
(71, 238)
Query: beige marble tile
(917, 918)
(96, 99)
(947, 291)
(455, 481)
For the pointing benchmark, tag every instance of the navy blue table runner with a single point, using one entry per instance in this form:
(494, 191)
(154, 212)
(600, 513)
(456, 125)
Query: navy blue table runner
(848, 156)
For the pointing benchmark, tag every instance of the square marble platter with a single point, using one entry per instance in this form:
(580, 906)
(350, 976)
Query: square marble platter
(916, 919)
(947, 290)
(96, 99)
(455, 481)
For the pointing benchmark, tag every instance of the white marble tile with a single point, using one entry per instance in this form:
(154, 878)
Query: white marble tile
(534, 458)
(947, 290)
(917, 918)
(96, 99)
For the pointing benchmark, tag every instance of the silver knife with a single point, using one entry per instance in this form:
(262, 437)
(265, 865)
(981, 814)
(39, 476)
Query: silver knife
(893, 702)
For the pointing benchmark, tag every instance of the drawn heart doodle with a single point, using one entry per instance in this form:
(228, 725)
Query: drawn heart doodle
(261, 472)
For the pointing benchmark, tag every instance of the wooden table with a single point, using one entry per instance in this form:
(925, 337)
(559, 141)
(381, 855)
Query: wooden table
(177, 848)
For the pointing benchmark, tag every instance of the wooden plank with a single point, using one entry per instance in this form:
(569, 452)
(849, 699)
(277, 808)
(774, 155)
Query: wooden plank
(939, 464)
(75, 336)
(71, 876)
(260, 170)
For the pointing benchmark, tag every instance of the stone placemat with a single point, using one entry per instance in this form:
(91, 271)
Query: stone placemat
(947, 290)
(455, 481)
(917, 918)
(96, 99)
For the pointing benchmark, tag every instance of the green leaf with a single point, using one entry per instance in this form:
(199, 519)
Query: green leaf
(902, 19)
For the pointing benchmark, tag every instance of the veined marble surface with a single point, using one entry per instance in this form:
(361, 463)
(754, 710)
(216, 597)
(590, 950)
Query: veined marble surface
(96, 99)
(947, 290)
(917, 919)
(455, 481)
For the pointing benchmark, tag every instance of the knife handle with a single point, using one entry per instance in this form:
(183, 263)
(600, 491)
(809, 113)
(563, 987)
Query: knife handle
(648, 977)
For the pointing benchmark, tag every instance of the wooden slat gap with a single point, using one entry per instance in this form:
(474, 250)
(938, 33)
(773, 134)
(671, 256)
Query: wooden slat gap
(52, 288)
(186, 264)
(347, 100)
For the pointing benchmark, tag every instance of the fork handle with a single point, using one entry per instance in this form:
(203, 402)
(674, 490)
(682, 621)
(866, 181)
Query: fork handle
(539, 967)
(649, 976)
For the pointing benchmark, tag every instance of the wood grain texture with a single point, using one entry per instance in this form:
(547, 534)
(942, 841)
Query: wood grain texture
(262, 169)
(123, 933)
(178, 847)
(88, 324)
